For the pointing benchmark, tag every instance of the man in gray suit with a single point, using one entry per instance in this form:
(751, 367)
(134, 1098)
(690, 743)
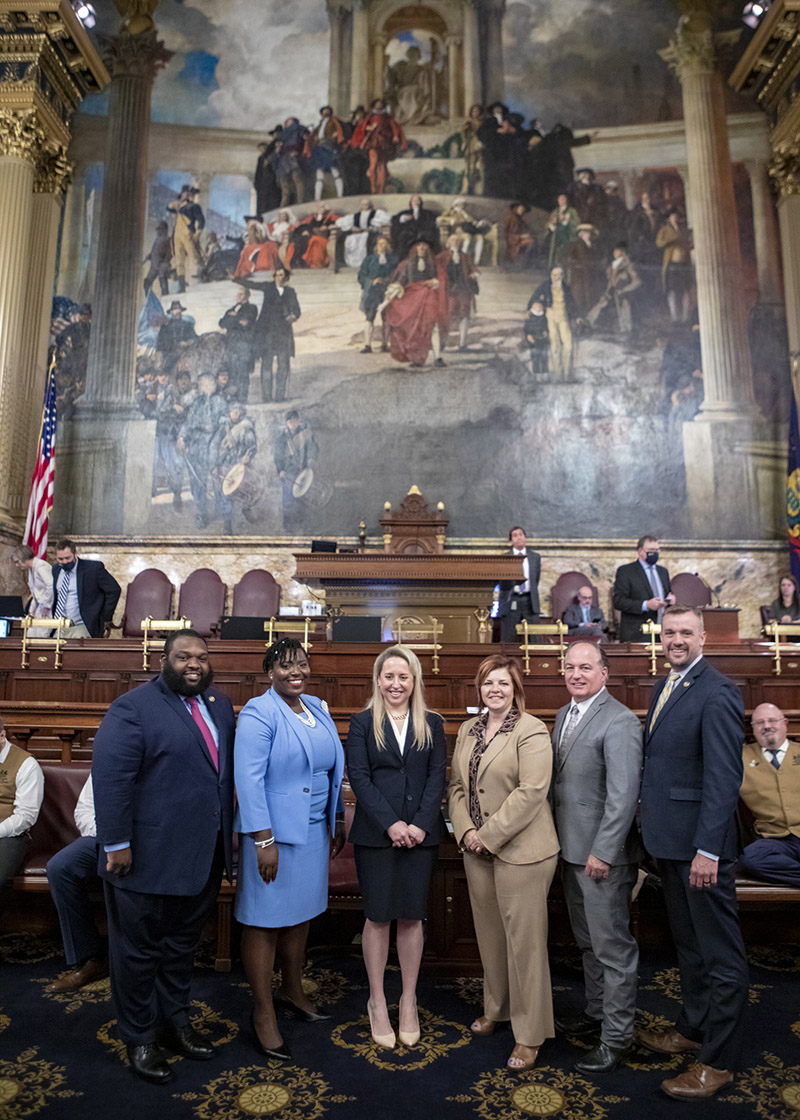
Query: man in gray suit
(583, 618)
(597, 744)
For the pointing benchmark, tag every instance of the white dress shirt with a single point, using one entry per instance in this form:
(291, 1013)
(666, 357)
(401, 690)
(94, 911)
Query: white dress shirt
(583, 707)
(27, 797)
(400, 728)
(521, 588)
(84, 810)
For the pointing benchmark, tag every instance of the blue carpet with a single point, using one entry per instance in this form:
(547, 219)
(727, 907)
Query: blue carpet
(60, 1056)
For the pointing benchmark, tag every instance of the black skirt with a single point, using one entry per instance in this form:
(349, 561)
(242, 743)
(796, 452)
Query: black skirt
(395, 881)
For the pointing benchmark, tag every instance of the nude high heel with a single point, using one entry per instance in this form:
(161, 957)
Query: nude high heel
(409, 1038)
(386, 1040)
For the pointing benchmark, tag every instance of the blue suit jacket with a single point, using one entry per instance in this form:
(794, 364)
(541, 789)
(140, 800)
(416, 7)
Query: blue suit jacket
(98, 594)
(390, 786)
(156, 787)
(274, 766)
(693, 767)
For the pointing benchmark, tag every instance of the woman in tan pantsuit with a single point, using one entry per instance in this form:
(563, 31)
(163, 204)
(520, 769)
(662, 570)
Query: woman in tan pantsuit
(498, 805)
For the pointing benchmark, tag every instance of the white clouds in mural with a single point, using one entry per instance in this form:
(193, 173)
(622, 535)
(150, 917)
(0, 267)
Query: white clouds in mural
(242, 65)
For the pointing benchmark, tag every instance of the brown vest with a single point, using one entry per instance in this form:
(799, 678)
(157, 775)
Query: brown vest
(8, 779)
(772, 796)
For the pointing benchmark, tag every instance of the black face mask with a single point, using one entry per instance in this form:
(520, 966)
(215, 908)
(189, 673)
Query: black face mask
(67, 567)
(651, 558)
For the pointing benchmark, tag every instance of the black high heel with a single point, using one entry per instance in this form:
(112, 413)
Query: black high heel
(291, 1008)
(280, 1052)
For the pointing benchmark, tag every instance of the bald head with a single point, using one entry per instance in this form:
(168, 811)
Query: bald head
(769, 726)
(585, 596)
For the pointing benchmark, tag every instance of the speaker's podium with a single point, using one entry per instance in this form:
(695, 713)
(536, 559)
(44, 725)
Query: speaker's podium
(414, 579)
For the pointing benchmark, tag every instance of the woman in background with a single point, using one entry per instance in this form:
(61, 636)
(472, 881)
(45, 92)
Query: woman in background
(288, 763)
(39, 575)
(500, 776)
(786, 608)
(396, 764)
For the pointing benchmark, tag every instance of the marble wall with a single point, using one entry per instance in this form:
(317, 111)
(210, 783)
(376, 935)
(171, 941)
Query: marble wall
(743, 574)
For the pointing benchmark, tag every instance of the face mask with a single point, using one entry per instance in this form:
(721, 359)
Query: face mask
(68, 567)
(651, 558)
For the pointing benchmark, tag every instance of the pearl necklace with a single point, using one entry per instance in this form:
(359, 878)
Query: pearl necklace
(306, 716)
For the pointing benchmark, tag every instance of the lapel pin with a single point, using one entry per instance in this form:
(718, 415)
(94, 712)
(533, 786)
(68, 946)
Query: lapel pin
(211, 699)
(686, 684)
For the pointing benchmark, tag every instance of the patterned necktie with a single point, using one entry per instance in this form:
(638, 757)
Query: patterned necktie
(666, 691)
(569, 731)
(63, 594)
(204, 731)
(774, 759)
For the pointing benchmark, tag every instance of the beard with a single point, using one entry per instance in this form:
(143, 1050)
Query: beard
(174, 680)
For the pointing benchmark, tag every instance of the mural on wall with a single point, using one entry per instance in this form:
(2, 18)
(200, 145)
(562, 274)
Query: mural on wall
(519, 338)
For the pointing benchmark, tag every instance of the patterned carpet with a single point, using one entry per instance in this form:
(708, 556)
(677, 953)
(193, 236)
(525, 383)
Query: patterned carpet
(60, 1057)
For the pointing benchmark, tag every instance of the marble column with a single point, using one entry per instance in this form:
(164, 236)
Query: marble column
(359, 61)
(723, 319)
(495, 73)
(472, 68)
(455, 110)
(69, 258)
(133, 61)
(785, 174)
(20, 140)
(50, 180)
(765, 232)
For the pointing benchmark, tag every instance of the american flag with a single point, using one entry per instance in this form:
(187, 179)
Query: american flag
(41, 499)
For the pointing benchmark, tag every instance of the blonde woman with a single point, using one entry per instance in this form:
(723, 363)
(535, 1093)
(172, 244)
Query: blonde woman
(396, 762)
(500, 776)
(39, 575)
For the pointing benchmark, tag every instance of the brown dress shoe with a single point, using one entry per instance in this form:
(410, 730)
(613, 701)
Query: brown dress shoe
(666, 1042)
(79, 977)
(697, 1082)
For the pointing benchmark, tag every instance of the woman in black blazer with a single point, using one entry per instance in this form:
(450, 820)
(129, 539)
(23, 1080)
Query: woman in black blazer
(396, 762)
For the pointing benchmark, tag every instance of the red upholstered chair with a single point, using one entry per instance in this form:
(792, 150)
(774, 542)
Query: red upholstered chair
(202, 600)
(149, 593)
(564, 591)
(690, 591)
(256, 595)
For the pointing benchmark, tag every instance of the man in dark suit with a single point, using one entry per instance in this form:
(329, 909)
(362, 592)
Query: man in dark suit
(641, 590)
(274, 334)
(597, 745)
(84, 592)
(690, 789)
(583, 618)
(519, 600)
(163, 784)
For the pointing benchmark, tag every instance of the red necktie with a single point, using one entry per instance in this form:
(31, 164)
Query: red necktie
(204, 731)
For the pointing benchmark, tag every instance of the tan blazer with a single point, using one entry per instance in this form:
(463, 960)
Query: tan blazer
(513, 780)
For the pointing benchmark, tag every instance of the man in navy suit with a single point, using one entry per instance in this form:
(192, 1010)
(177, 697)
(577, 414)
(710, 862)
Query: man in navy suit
(83, 591)
(641, 590)
(692, 773)
(163, 784)
(520, 600)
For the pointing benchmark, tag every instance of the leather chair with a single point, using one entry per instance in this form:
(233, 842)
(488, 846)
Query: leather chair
(256, 595)
(690, 591)
(765, 611)
(149, 593)
(202, 599)
(565, 590)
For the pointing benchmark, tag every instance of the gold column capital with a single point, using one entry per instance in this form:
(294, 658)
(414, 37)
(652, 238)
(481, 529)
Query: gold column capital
(53, 172)
(784, 169)
(137, 15)
(21, 134)
(694, 49)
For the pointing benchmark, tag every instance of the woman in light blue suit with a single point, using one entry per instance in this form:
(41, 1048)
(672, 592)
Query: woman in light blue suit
(288, 763)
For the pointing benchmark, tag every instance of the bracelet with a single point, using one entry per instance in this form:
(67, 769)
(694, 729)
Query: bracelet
(264, 843)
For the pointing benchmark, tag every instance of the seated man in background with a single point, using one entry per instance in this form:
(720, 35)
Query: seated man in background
(582, 618)
(71, 872)
(771, 791)
(21, 792)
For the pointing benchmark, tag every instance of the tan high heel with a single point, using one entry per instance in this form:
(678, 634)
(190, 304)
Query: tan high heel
(520, 1060)
(386, 1040)
(482, 1025)
(409, 1038)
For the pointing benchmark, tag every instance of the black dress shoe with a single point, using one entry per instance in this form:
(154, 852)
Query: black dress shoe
(186, 1042)
(603, 1058)
(148, 1061)
(280, 1052)
(291, 1008)
(578, 1024)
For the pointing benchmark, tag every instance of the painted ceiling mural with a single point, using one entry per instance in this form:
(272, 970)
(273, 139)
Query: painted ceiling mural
(521, 341)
